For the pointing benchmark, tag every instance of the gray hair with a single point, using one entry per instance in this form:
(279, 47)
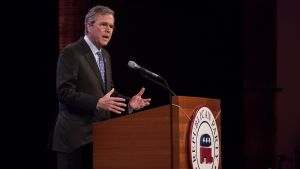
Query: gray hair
(92, 14)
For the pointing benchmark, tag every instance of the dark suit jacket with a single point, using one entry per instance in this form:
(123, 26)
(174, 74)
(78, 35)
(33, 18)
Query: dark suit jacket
(79, 86)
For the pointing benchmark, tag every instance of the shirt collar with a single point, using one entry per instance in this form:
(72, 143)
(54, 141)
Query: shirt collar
(91, 45)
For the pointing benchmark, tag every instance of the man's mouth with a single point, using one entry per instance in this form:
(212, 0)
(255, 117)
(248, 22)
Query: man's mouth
(105, 37)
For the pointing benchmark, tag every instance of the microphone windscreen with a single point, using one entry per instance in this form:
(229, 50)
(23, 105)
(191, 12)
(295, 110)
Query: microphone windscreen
(132, 64)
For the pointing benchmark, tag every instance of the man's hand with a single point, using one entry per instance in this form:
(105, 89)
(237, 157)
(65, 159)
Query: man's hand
(112, 104)
(137, 102)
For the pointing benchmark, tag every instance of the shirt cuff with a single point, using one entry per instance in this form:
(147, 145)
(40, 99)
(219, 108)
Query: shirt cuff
(130, 109)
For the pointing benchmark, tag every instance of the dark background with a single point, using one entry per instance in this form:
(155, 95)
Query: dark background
(215, 49)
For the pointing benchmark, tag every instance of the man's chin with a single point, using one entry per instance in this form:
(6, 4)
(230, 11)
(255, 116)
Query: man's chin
(104, 43)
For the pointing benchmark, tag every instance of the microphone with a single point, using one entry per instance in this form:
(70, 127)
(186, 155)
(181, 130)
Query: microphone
(144, 73)
(134, 65)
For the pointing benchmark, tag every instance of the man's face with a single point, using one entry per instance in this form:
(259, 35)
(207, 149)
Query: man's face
(101, 31)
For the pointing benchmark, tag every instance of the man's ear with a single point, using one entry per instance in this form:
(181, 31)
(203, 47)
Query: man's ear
(88, 27)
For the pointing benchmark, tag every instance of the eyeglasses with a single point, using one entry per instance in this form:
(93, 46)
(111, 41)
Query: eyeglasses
(105, 25)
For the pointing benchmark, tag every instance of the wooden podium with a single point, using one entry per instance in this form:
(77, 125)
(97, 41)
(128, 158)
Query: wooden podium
(152, 139)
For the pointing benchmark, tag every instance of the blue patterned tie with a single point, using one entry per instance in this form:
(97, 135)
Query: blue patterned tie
(101, 65)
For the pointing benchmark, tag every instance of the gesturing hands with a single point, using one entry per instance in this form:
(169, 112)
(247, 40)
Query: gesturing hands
(113, 104)
(137, 102)
(117, 104)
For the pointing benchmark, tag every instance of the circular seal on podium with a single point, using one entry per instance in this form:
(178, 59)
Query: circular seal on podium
(203, 140)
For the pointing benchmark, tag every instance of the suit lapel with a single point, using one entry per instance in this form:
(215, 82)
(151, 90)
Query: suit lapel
(91, 60)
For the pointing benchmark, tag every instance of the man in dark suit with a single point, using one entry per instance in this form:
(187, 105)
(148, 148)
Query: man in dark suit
(86, 92)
